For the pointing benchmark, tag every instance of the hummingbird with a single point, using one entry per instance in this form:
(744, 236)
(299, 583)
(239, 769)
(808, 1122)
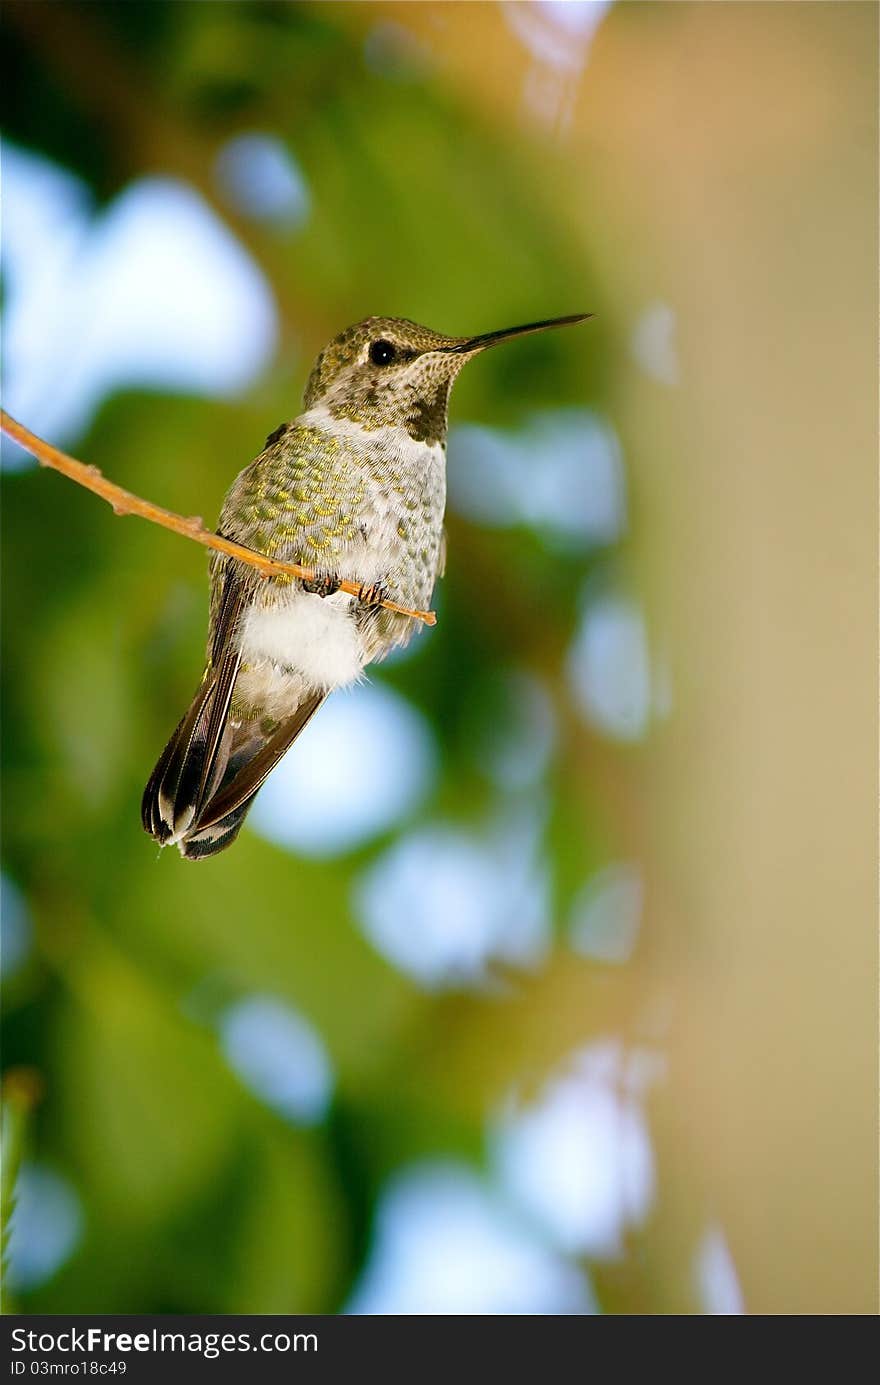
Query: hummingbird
(354, 488)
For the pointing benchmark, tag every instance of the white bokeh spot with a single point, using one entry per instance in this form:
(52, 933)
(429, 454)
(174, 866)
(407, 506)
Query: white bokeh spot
(366, 760)
(609, 669)
(578, 1158)
(278, 1056)
(444, 1242)
(442, 904)
(152, 292)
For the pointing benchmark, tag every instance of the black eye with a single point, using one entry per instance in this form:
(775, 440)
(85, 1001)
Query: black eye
(382, 352)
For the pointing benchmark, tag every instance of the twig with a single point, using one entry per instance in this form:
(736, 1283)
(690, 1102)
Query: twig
(125, 503)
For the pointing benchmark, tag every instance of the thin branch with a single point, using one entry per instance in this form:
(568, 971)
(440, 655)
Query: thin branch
(125, 503)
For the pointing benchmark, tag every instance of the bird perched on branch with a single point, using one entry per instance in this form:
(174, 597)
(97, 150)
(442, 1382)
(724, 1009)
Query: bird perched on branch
(355, 490)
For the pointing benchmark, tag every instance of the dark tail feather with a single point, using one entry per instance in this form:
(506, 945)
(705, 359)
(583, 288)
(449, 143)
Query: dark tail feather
(169, 800)
(195, 759)
(249, 764)
(208, 841)
(199, 805)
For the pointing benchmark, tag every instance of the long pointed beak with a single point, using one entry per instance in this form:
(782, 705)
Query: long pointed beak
(463, 348)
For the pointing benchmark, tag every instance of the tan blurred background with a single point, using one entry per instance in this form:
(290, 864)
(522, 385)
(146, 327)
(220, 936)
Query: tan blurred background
(732, 162)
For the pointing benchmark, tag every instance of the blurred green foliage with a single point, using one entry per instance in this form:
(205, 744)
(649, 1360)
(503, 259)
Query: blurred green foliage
(196, 1197)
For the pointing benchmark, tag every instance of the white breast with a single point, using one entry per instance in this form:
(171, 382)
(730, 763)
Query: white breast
(314, 636)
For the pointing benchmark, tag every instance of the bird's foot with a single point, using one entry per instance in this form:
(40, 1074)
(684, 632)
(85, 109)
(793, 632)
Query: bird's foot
(323, 584)
(373, 594)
